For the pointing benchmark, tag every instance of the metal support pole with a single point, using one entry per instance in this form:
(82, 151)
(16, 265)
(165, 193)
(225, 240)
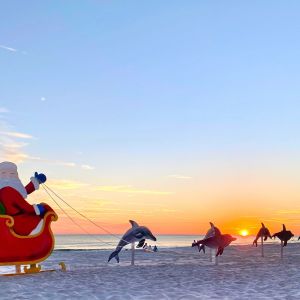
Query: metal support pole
(211, 254)
(262, 247)
(216, 258)
(18, 269)
(132, 253)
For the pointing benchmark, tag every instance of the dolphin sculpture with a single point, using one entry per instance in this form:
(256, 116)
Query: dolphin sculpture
(218, 241)
(135, 234)
(263, 232)
(209, 233)
(284, 235)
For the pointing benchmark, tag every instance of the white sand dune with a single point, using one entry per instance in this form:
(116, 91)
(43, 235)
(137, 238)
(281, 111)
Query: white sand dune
(178, 273)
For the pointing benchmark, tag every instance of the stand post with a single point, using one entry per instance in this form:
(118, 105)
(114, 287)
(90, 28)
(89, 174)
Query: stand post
(262, 247)
(214, 258)
(132, 253)
(18, 269)
(281, 249)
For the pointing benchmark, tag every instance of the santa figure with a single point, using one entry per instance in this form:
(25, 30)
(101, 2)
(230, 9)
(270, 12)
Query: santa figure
(27, 217)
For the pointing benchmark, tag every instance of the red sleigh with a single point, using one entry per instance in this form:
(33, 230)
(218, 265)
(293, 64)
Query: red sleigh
(26, 250)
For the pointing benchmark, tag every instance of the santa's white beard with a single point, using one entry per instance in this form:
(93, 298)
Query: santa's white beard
(14, 183)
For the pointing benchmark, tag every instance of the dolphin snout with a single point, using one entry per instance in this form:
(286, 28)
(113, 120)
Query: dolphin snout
(152, 237)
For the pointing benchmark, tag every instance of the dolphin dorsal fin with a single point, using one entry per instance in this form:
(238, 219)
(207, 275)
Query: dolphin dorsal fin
(262, 224)
(216, 230)
(133, 223)
(283, 227)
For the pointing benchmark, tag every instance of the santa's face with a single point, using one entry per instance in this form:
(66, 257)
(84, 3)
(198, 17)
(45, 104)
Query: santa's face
(9, 178)
(6, 174)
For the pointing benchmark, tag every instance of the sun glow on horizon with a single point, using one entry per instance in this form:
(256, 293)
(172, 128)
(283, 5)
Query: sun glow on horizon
(244, 232)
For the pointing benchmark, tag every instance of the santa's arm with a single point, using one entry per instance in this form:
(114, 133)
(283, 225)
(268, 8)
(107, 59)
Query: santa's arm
(25, 207)
(35, 182)
(32, 186)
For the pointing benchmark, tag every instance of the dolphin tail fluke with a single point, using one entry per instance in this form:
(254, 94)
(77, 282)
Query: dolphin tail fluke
(220, 251)
(202, 247)
(194, 244)
(115, 255)
(268, 234)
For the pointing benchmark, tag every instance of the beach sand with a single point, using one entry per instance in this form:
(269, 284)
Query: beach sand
(178, 273)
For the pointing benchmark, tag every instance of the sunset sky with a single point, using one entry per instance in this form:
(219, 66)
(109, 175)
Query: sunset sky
(171, 113)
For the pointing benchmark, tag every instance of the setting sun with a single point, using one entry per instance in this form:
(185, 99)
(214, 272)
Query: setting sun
(244, 232)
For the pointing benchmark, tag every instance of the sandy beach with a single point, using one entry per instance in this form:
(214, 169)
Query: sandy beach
(177, 273)
(158, 124)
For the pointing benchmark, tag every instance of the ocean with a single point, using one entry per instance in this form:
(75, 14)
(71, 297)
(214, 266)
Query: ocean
(103, 242)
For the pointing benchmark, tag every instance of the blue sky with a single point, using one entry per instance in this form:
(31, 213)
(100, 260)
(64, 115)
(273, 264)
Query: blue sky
(131, 92)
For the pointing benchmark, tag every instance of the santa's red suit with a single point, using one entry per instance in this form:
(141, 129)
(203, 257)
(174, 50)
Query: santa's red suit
(26, 216)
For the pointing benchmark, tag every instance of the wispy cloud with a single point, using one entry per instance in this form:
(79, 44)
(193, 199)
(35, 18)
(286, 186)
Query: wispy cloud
(17, 135)
(12, 147)
(65, 164)
(129, 190)
(87, 167)
(14, 144)
(69, 164)
(295, 211)
(177, 176)
(66, 184)
(8, 48)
